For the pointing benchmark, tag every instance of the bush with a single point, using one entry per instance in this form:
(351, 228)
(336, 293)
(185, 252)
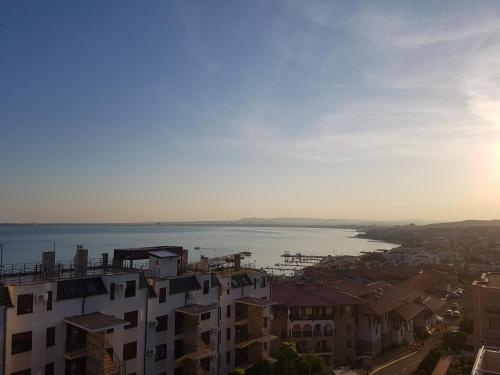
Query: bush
(454, 341)
(466, 325)
(429, 362)
(262, 367)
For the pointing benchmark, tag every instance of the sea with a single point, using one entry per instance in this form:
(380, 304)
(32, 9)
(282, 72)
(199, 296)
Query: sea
(25, 243)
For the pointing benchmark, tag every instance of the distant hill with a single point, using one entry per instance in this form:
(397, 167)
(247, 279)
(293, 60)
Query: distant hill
(467, 224)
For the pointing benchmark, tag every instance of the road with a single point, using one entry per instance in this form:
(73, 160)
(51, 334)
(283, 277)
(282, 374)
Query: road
(407, 365)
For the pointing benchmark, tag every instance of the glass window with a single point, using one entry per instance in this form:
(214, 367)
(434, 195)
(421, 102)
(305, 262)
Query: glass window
(131, 317)
(130, 289)
(24, 304)
(163, 295)
(162, 323)
(51, 336)
(130, 351)
(21, 342)
(161, 352)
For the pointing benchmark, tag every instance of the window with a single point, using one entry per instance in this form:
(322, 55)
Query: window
(205, 364)
(263, 282)
(49, 368)
(130, 351)
(265, 322)
(51, 336)
(161, 352)
(228, 357)
(205, 316)
(21, 342)
(348, 328)
(228, 334)
(162, 323)
(179, 323)
(348, 344)
(130, 289)
(255, 283)
(163, 295)
(49, 300)
(205, 337)
(206, 286)
(22, 372)
(112, 287)
(24, 304)
(228, 311)
(131, 317)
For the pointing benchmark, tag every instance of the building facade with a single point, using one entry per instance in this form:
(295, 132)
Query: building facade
(148, 311)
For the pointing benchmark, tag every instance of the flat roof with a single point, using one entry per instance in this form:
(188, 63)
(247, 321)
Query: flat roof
(95, 322)
(163, 254)
(487, 361)
(195, 309)
(254, 301)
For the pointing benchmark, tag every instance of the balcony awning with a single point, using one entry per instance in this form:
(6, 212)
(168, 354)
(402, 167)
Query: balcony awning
(254, 301)
(195, 309)
(95, 322)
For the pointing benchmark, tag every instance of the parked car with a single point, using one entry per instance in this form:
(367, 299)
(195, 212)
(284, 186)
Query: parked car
(449, 312)
(455, 305)
(456, 314)
(439, 319)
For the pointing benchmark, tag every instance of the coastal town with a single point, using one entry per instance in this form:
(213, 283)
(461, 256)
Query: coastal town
(152, 310)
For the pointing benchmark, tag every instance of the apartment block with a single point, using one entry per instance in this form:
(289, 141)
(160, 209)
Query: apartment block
(147, 311)
(486, 310)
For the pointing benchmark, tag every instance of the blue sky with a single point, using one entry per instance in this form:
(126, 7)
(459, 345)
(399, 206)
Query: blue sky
(190, 110)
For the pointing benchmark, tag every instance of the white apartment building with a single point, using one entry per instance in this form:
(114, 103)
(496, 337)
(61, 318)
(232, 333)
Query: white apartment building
(163, 316)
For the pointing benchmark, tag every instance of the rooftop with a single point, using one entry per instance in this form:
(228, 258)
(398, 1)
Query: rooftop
(488, 279)
(487, 361)
(291, 293)
(195, 309)
(95, 322)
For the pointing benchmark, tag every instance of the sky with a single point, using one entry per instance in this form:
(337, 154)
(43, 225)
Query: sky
(126, 111)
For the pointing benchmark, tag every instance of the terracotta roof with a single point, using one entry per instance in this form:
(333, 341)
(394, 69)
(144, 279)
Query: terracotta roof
(408, 310)
(350, 287)
(379, 305)
(432, 303)
(310, 294)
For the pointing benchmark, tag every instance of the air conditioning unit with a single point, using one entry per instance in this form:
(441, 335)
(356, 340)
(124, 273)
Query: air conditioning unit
(153, 324)
(151, 352)
(43, 297)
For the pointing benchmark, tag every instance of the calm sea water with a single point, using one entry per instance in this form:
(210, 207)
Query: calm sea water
(24, 243)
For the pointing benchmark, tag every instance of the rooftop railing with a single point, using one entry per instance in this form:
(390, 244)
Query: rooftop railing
(22, 273)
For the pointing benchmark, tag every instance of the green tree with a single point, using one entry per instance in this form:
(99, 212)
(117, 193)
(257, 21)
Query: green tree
(286, 358)
(310, 364)
(262, 367)
(237, 371)
(454, 341)
(466, 325)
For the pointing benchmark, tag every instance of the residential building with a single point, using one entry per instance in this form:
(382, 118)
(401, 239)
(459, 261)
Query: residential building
(319, 319)
(148, 311)
(487, 361)
(486, 310)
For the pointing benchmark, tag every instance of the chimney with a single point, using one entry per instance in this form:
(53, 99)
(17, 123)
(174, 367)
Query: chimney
(49, 264)
(80, 261)
(237, 262)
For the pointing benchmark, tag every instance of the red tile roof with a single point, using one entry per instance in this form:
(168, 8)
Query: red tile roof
(408, 311)
(289, 293)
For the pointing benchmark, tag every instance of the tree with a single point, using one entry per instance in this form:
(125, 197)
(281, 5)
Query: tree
(237, 371)
(286, 358)
(454, 341)
(262, 367)
(466, 325)
(310, 364)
